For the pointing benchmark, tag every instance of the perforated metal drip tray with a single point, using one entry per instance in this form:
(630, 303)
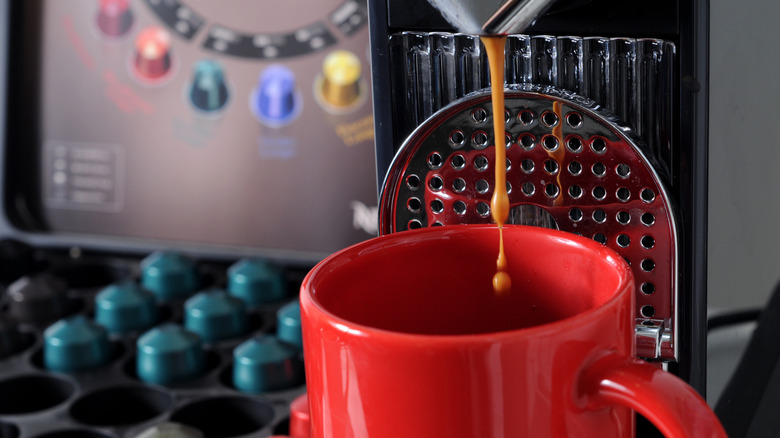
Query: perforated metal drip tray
(570, 165)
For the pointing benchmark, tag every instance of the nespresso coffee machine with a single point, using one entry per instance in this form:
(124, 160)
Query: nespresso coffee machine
(606, 137)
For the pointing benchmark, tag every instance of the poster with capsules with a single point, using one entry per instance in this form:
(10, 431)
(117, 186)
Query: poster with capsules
(238, 124)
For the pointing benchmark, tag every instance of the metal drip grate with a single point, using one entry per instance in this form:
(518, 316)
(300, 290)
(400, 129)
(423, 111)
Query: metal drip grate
(570, 165)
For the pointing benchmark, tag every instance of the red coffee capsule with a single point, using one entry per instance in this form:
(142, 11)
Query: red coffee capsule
(152, 53)
(114, 17)
(299, 417)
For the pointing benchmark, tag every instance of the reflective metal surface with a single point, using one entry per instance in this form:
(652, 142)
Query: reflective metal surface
(566, 156)
(491, 17)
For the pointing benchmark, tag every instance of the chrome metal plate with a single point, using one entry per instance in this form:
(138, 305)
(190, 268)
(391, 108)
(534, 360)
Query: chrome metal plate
(571, 164)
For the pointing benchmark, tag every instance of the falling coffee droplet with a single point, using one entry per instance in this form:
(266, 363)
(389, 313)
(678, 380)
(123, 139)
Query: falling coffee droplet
(502, 282)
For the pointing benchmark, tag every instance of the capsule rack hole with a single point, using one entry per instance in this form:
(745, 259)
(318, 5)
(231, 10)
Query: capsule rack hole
(648, 242)
(575, 168)
(414, 224)
(225, 416)
(575, 191)
(647, 288)
(623, 170)
(33, 393)
(90, 275)
(459, 207)
(599, 193)
(483, 209)
(120, 406)
(648, 311)
(648, 265)
(623, 217)
(482, 186)
(623, 240)
(648, 219)
(15, 342)
(599, 216)
(575, 214)
(528, 188)
(600, 238)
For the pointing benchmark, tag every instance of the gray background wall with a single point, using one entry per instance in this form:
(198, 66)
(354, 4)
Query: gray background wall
(744, 193)
(744, 197)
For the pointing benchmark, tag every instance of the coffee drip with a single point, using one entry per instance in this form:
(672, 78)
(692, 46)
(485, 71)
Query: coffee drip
(493, 20)
(499, 204)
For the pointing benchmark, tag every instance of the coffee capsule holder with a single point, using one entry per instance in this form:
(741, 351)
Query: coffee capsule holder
(63, 375)
(131, 126)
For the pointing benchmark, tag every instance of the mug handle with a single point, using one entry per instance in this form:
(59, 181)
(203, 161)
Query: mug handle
(665, 400)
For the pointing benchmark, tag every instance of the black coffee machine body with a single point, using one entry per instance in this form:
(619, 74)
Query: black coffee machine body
(625, 86)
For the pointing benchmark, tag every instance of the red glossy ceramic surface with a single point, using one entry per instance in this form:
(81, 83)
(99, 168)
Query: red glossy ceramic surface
(404, 337)
(299, 417)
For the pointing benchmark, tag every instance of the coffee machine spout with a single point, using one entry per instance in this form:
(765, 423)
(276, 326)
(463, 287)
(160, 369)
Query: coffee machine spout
(491, 17)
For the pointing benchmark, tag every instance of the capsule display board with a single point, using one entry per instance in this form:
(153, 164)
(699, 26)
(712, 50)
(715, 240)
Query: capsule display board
(245, 126)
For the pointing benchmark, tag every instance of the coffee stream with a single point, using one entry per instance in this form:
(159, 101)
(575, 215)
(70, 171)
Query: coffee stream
(499, 204)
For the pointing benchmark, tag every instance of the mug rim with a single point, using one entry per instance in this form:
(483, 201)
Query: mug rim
(625, 286)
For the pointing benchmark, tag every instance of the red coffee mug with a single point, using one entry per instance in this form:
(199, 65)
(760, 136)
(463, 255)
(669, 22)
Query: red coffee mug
(404, 337)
